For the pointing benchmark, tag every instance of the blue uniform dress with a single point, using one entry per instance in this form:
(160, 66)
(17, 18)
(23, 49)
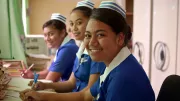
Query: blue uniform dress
(83, 68)
(64, 59)
(123, 80)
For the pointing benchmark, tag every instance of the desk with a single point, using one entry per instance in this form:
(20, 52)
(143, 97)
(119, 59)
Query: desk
(16, 85)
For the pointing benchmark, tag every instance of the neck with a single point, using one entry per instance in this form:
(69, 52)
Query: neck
(78, 42)
(108, 62)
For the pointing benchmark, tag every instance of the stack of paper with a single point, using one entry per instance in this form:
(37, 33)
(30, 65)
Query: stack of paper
(4, 80)
(13, 67)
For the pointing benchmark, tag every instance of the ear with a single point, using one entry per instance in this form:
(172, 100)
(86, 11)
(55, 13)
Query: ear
(64, 32)
(120, 39)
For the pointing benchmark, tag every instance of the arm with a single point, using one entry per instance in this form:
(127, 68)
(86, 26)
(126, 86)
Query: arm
(29, 74)
(66, 86)
(75, 96)
(63, 64)
(53, 76)
(43, 74)
(92, 79)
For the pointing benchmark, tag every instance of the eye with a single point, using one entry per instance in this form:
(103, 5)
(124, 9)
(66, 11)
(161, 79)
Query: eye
(100, 35)
(79, 23)
(51, 34)
(87, 36)
(71, 24)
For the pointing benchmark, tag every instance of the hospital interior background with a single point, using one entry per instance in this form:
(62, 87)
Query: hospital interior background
(155, 27)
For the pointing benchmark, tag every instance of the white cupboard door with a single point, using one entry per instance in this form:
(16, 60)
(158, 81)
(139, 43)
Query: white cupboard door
(164, 33)
(141, 32)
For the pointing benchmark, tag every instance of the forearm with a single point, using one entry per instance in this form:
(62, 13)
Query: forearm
(75, 96)
(65, 86)
(43, 74)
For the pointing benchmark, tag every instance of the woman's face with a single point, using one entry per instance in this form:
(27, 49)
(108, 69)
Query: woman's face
(53, 37)
(102, 43)
(78, 23)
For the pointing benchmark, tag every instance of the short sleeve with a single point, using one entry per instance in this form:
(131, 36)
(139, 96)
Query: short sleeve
(64, 59)
(97, 67)
(75, 64)
(94, 89)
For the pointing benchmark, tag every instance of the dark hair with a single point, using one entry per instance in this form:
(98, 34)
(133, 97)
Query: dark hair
(85, 10)
(129, 32)
(112, 18)
(56, 24)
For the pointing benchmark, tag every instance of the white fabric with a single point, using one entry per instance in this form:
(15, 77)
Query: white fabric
(59, 17)
(81, 50)
(120, 57)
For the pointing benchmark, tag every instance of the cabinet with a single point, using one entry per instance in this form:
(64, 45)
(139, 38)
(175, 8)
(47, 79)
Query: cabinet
(142, 33)
(178, 44)
(129, 12)
(164, 35)
(158, 35)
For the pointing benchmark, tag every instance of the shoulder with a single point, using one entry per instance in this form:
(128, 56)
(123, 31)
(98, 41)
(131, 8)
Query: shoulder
(71, 45)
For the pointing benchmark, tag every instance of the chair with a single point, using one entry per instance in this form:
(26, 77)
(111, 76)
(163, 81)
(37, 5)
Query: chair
(170, 89)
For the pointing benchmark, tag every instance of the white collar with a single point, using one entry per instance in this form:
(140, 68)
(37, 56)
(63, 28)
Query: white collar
(78, 42)
(85, 51)
(81, 50)
(120, 57)
(66, 39)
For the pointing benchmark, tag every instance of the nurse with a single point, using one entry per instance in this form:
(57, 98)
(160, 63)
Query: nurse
(85, 71)
(54, 34)
(124, 78)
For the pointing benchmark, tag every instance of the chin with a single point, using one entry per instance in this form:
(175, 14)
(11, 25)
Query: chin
(50, 46)
(78, 38)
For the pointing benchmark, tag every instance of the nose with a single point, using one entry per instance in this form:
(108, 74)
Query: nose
(46, 38)
(93, 41)
(74, 28)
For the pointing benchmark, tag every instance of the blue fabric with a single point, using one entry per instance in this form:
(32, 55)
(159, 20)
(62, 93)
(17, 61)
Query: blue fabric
(65, 60)
(127, 82)
(82, 71)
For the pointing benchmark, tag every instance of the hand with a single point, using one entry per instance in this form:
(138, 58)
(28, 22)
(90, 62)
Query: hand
(27, 74)
(30, 95)
(37, 86)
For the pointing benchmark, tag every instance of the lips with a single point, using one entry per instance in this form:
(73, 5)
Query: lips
(76, 34)
(95, 50)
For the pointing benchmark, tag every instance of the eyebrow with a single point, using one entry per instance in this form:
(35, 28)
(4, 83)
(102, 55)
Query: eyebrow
(101, 30)
(50, 32)
(75, 20)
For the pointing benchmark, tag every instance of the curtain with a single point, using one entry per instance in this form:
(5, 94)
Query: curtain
(13, 29)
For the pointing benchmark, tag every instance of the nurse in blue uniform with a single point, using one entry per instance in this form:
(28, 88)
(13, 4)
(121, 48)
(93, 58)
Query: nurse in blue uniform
(62, 65)
(124, 78)
(85, 71)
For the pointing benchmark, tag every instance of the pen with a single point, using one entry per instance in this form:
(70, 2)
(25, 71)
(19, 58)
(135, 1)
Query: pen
(31, 66)
(28, 69)
(35, 77)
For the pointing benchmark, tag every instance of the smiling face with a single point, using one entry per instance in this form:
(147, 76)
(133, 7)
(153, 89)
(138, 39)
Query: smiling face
(78, 23)
(103, 44)
(53, 37)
